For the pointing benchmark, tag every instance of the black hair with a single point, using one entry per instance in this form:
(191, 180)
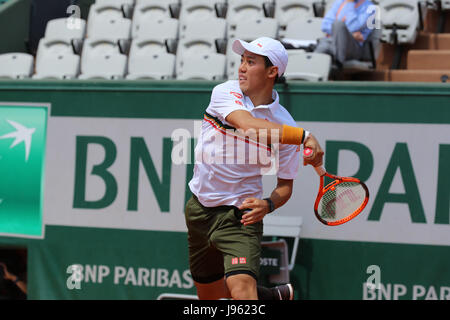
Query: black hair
(268, 64)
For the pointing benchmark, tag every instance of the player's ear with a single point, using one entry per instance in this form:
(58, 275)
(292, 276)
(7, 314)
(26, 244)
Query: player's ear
(273, 72)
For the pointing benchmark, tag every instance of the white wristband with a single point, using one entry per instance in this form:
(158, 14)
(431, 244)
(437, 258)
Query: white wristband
(307, 133)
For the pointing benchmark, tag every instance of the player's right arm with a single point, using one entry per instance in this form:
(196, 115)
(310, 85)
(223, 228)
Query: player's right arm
(227, 105)
(245, 121)
(265, 130)
(276, 133)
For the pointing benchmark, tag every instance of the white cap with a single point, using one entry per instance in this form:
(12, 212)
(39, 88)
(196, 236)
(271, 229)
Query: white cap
(268, 47)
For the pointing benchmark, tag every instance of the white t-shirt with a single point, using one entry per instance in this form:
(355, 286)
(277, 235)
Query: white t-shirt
(228, 167)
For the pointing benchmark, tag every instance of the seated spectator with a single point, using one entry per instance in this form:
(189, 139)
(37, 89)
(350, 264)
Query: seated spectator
(347, 31)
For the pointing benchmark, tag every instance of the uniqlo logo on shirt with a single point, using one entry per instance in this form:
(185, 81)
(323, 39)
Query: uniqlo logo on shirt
(234, 261)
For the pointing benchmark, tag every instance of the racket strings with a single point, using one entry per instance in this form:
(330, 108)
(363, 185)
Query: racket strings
(341, 201)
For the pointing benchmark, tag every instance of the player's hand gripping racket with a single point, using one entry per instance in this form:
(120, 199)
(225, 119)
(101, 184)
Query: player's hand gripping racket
(339, 201)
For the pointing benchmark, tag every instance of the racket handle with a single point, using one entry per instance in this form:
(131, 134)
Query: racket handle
(320, 170)
(307, 153)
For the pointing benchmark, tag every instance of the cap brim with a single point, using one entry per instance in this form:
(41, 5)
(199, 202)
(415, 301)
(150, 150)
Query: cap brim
(240, 46)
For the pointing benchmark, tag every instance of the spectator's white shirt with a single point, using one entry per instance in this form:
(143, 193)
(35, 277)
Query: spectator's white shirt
(228, 167)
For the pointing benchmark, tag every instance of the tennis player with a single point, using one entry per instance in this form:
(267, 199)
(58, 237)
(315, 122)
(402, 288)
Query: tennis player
(224, 215)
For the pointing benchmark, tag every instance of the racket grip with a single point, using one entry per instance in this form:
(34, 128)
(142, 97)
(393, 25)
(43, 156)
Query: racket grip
(307, 152)
(320, 170)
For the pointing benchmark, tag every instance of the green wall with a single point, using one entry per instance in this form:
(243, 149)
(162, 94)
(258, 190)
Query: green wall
(340, 101)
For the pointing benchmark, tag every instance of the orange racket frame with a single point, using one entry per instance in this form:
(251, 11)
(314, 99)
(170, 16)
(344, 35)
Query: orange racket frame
(336, 180)
(307, 152)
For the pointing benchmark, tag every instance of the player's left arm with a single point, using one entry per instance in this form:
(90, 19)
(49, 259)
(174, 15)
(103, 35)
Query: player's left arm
(259, 207)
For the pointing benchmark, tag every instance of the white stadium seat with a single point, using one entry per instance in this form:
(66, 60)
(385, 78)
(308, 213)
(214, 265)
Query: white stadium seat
(65, 28)
(214, 28)
(57, 54)
(196, 10)
(158, 66)
(161, 34)
(56, 59)
(149, 58)
(144, 46)
(445, 4)
(307, 66)
(239, 10)
(110, 27)
(153, 10)
(302, 32)
(196, 45)
(101, 58)
(120, 2)
(250, 29)
(190, 48)
(16, 65)
(162, 29)
(99, 46)
(53, 47)
(287, 10)
(103, 11)
(208, 66)
(304, 29)
(68, 30)
(62, 66)
(400, 17)
(104, 66)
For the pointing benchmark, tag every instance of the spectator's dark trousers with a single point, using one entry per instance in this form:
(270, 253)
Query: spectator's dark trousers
(342, 46)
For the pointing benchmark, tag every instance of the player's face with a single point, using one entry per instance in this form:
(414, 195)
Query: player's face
(253, 74)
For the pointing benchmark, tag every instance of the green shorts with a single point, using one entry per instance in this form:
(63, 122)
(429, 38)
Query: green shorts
(219, 244)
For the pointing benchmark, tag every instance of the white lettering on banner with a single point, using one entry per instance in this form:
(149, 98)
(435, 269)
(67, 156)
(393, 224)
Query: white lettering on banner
(269, 262)
(94, 273)
(128, 276)
(98, 176)
(397, 291)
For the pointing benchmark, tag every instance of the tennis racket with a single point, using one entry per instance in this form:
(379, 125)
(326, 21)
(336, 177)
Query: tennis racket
(340, 200)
